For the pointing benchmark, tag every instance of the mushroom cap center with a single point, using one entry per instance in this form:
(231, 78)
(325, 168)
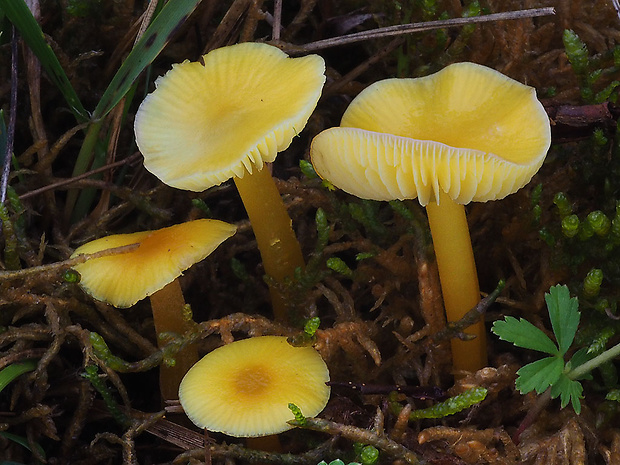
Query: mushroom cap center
(252, 381)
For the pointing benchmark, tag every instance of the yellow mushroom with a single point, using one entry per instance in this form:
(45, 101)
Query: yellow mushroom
(225, 117)
(243, 389)
(466, 133)
(151, 271)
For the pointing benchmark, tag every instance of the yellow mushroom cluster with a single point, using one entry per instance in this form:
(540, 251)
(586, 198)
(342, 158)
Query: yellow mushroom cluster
(466, 133)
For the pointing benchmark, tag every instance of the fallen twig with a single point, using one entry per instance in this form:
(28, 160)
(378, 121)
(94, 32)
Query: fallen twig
(410, 28)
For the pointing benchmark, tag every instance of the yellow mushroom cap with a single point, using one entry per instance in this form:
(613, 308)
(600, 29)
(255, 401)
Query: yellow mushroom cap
(243, 389)
(207, 122)
(467, 130)
(162, 256)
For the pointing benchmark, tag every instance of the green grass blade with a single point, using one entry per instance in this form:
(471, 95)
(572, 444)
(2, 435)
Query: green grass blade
(22, 441)
(18, 13)
(172, 15)
(14, 370)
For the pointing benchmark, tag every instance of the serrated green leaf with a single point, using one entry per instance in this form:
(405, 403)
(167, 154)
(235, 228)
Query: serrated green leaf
(568, 390)
(524, 334)
(564, 314)
(539, 375)
(157, 35)
(18, 13)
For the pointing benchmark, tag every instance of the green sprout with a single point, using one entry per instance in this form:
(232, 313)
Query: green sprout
(71, 276)
(365, 454)
(308, 336)
(91, 373)
(311, 326)
(299, 417)
(448, 407)
(307, 170)
(592, 282)
(338, 265)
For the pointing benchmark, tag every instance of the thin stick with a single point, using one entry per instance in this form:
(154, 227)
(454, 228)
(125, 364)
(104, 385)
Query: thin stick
(414, 27)
(146, 19)
(6, 165)
(81, 176)
(5, 275)
(277, 20)
(355, 434)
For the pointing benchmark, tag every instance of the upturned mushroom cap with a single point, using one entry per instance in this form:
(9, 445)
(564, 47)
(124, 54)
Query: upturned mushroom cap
(243, 389)
(162, 256)
(467, 130)
(207, 122)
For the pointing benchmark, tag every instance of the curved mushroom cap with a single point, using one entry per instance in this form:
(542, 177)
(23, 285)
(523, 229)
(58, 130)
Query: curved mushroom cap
(206, 123)
(467, 130)
(163, 255)
(243, 389)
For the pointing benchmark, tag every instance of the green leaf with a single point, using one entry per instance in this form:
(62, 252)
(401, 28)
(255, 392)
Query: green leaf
(22, 441)
(539, 375)
(569, 390)
(9, 373)
(524, 334)
(564, 314)
(157, 35)
(18, 13)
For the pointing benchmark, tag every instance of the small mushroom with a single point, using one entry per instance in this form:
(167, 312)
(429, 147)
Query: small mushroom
(152, 270)
(225, 117)
(243, 389)
(466, 133)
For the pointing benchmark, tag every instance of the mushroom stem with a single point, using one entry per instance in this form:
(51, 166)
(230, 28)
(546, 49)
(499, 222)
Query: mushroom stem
(277, 243)
(458, 277)
(167, 305)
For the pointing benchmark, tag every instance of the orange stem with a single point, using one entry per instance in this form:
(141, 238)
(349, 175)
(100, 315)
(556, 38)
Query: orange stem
(167, 305)
(458, 277)
(273, 229)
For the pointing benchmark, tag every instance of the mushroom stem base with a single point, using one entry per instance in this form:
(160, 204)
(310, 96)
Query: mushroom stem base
(273, 229)
(458, 277)
(167, 306)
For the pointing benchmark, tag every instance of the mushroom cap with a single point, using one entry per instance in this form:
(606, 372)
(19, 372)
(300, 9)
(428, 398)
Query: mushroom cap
(467, 130)
(243, 389)
(207, 122)
(163, 255)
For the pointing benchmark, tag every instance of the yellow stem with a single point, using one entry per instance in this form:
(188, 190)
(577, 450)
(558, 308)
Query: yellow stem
(277, 243)
(167, 306)
(458, 277)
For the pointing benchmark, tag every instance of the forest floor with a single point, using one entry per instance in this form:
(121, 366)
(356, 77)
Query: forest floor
(371, 277)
